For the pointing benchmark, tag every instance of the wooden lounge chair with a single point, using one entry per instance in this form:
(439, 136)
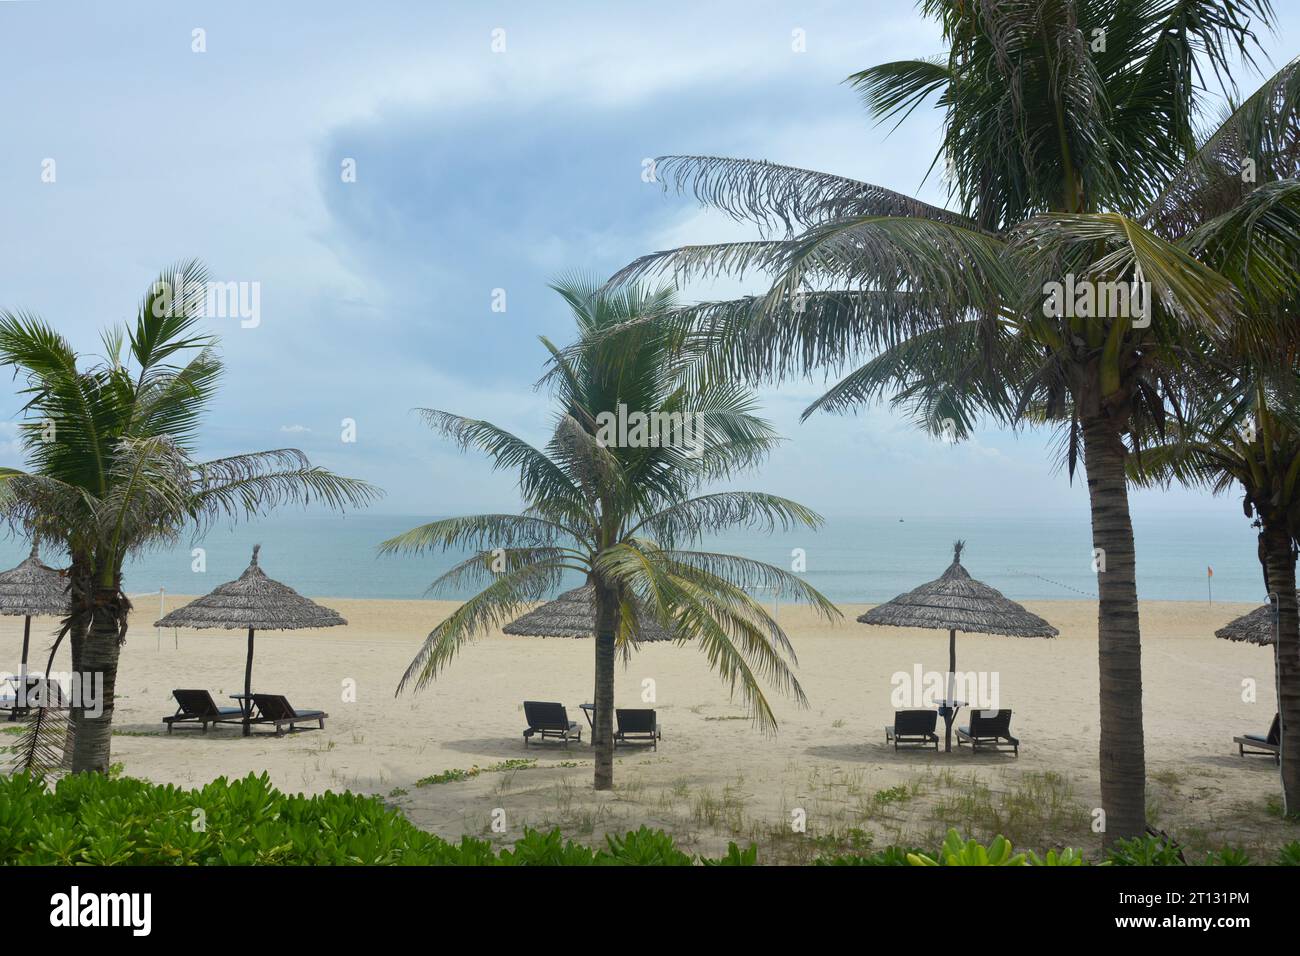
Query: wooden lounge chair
(549, 719)
(1269, 746)
(637, 726)
(198, 707)
(991, 732)
(275, 709)
(913, 728)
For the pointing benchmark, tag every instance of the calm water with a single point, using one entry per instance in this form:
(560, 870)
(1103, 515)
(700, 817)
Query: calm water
(849, 560)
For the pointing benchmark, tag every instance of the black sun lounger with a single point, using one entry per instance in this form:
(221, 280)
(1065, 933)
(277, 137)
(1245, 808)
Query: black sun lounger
(198, 707)
(1270, 746)
(637, 727)
(992, 732)
(275, 709)
(913, 728)
(549, 719)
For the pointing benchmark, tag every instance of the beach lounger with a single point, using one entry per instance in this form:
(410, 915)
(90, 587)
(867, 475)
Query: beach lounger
(991, 732)
(198, 707)
(1269, 746)
(40, 692)
(637, 726)
(275, 709)
(549, 719)
(913, 728)
(9, 698)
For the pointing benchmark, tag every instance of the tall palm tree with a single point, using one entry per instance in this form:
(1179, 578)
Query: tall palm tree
(1237, 205)
(622, 512)
(1064, 119)
(110, 471)
(1248, 439)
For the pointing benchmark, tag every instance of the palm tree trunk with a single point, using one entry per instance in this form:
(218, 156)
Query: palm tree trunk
(1119, 643)
(1280, 561)
(602, 731)
(101, 647)
(76, 646)
(80, 600)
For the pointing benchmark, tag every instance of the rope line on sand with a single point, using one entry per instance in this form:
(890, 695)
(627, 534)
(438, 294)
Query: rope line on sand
(1030, 574)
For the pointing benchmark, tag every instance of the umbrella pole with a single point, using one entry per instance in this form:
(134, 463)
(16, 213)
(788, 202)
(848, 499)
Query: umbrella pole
(248, 685)
(27, 637)
(950, 708)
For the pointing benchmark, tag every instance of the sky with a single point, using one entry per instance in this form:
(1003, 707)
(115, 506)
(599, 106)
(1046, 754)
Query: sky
(496, 146)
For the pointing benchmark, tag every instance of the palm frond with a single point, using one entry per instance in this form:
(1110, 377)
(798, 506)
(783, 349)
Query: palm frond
(479, 531)
(769, 194)
(39, 748)
(491, 608)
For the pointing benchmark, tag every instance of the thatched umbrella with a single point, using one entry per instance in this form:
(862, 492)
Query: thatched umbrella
(33, 589)
(573, 614)
(957, 602)
(1257, 627)
(255, 602)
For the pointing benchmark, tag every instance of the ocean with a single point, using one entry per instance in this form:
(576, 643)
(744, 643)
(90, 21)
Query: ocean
(850, 560)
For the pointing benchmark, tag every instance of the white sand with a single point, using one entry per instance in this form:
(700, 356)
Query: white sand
(714, 778)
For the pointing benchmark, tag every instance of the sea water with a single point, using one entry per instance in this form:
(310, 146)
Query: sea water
(850, 559)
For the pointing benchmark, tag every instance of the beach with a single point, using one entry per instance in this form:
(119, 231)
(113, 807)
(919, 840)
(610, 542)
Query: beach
(449, 756)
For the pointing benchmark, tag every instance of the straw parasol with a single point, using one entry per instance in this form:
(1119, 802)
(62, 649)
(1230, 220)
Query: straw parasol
(1257, 627)
(256, 603)
(573, 614)
(957, 602)
(33, 589)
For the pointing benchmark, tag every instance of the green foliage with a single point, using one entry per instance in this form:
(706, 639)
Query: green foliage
(899, 794)
(970, 853)
(456, 774)
(546, 849)
(890, 856)
(1228, 856)
(1065, 857)
(735, 857)
(645, 847)
(94, 820)
(1146, 851)
(90, 819)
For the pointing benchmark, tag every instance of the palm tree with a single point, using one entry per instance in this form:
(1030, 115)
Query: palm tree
(1248, 438)
(110, 471)
(620, 512)
(1064, 120)
(1243, 427)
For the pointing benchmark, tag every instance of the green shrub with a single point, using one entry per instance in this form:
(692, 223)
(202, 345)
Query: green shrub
(1065, 857)
(889, 856)
(1146, 851)
(955, 852)
(92, 819)
(1228, 856)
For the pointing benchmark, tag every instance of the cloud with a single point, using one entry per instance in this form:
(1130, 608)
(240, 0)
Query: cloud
(475, 172)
